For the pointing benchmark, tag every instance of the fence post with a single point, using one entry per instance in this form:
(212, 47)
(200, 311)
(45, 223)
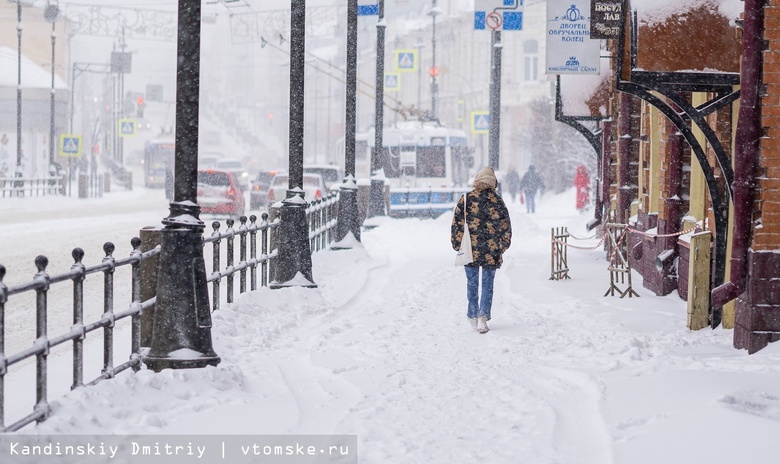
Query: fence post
(230, 237)
(253, 252)
(242, 254)
(135, 335)
(78, 318)
(108, 312)
(42, 407)
(3, 366)
(264, 250)
(215, 266)
(150, 239)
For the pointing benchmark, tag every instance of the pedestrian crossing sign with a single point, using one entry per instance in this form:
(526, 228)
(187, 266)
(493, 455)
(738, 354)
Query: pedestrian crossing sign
(70, 145)
(480, 122)
(126, 127)
(392, 82)
(406, 60)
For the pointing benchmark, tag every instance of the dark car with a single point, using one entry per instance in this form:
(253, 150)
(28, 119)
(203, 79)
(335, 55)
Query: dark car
(220, 193)
(331, 174)
(258, 195)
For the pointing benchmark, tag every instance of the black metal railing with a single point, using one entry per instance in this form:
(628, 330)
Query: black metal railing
(321, 215)
(31, 186)
(40, 349)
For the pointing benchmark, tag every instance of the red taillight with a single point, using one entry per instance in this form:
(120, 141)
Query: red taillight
(271, 195)
(255, 187)
(318, 195)
(230, 192)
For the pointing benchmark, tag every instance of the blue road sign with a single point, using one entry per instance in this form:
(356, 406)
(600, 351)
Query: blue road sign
(368, 8)
(392, 81)
(126, 127)
(70, 145)
(480, 122)
(406, 60)
(506, 15)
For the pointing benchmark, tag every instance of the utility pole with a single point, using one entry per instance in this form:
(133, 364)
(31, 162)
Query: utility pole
(181, 334)
(294, 259)
(348, 221)
(376, 200)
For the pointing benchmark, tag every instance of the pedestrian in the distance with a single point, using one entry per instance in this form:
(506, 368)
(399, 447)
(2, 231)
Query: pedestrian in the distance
(530, 183)
(582, 184)
(512, 181)
(490, 230)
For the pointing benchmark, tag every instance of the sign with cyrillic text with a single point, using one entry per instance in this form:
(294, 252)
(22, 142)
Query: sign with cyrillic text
(606, 16)
(570, 50)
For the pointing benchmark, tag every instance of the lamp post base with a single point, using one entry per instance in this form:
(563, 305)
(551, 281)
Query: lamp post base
(181, 333)
(293, 267)
(348, 221)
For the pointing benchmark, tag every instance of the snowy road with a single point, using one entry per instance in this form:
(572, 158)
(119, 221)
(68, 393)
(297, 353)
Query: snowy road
(382, 350)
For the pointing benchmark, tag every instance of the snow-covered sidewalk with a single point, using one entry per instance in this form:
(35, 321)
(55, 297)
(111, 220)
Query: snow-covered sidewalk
(382, 349)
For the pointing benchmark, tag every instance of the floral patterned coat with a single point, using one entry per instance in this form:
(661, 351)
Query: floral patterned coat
(489, 227)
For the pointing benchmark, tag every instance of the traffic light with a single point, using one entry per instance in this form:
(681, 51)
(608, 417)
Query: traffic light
(270, 118)
(140, 105)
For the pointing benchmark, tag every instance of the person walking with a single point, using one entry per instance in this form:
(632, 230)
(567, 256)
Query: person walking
(490, 230)
(530, 183)
(582, 185)
(512, 181)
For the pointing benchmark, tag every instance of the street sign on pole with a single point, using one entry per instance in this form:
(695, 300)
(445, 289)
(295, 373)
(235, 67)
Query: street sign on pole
(480, 122)
(70, 145)
(368, 8)
(460, 115)
(126, 127)
(498, 15)
(393, 82)
(406, 60)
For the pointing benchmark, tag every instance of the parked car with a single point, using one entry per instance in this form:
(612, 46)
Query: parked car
(331, 174)
(258, 195)
(220, 193)
(236, 167)
(313, 187)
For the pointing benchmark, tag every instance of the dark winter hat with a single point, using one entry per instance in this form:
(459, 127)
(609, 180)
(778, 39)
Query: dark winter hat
(486, 178)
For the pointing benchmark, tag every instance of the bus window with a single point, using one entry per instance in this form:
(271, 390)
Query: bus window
(391, 162)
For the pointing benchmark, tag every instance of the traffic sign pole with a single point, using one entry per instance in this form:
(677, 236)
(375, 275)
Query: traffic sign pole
(376, 203)
(494, 142)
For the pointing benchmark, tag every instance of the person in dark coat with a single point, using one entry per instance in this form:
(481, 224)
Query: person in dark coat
(530, 183)
(491, 234)
(512, 181)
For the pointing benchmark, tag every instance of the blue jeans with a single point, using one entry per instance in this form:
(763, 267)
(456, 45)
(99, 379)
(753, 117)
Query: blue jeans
(530, 202)
(479, 306)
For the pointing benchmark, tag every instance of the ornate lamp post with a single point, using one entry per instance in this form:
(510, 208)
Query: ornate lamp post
(348, 221)
(181, 335)
(376, 200)
(293, 267)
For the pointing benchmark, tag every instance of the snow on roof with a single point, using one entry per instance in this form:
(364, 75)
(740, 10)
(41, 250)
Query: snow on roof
(33, 75)
(655, 11)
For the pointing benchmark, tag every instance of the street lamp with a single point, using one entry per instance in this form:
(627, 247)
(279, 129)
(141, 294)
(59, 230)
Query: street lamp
(50, 14)
(376, 203)
(18, 170)
(293, 266)
(181, 334)
(348, 221)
